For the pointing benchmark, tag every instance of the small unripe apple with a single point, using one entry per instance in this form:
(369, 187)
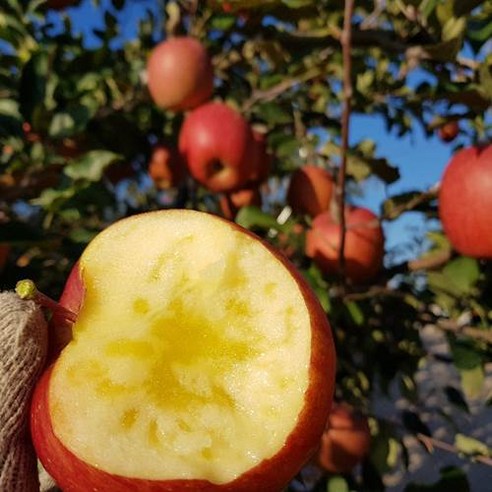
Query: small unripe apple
(180, 74)
(364, 244)
(166, 167)
(346, 440)
(231, 203)
(449, 131)
(465, 201)
(218, 147)
(310, 190)
(200, 360)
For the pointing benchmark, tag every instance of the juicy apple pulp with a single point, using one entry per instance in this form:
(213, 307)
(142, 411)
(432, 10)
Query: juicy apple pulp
(465, 202)
(218, 146)
(310, 190)
(180, 74)
(346, 440)
(200, 360)
(364, 244)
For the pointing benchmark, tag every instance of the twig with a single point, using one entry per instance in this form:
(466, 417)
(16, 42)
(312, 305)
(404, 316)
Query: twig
(428, 195)
(430, 443)
(346, 42)
(484, 335)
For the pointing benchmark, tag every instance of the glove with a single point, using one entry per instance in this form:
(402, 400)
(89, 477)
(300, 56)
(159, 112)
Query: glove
(23, 349)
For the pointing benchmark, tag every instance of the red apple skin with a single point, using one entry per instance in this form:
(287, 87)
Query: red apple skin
(60, 330)
(218, 146)
(449, 131)
(310, 190)
(261, 158)
(4, 254)
(180, 74)
(166, 168)
(271, 475)
(346, 440)
(465, 201)
(364, 244)
(231, 203)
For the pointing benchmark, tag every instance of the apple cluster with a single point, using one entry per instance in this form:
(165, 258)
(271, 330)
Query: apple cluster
(311, 192)
(217, 146)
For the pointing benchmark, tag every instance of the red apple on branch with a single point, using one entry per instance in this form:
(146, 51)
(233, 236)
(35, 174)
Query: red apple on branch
(231, 203)
(179, 74)
(449, 131)
(346, 440)
(166, 167)
(465, 201)
(200, 360)
(364, 244)
(310, 190)
(4, 254)
(218, 146)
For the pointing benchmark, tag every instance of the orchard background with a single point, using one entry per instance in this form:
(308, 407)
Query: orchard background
(78, 129)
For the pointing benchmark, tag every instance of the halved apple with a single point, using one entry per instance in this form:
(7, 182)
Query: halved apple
(200, 360)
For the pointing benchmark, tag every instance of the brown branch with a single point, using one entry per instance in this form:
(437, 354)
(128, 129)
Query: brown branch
(275, 91)
(483, 335)
(430, 262)
(426, 196)
(346, 42)
(431, 443)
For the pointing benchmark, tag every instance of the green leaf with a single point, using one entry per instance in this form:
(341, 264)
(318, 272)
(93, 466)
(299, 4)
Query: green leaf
(337, 484)
(91, 166)
(254, 218)
(273, 113)
(472, 381)
(33, 84)
(463, 272)
(465, 355)
(70, 122)
(223, 22)
(456, 398)
(355, 312)
(471, 446)
(452, 480)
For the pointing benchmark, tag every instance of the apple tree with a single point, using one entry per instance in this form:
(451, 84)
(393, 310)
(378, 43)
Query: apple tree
(85, 141)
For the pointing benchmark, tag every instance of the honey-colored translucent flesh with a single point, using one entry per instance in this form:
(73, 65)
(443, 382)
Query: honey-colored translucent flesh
(190, 356)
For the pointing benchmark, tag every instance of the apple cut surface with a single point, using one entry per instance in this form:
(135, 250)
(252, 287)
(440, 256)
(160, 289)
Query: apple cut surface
(198, 354)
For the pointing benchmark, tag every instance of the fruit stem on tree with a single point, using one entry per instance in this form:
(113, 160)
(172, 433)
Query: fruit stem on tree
(26, 289)
(346, 42)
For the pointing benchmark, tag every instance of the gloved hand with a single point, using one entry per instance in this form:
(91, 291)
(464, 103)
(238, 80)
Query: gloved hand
(23, 349)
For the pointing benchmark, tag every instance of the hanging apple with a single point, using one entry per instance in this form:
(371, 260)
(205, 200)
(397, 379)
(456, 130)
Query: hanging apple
(465, 201)
(364, 244)
(180, 74)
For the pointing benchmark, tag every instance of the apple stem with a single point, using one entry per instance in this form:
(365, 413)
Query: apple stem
(26, 289)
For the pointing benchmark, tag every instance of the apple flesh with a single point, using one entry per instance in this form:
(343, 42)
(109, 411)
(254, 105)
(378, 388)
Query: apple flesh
(310, 190)
(180, 74)
(200, 360)
(346, 440)
(465, 201)
(364, 244)
(218, 147)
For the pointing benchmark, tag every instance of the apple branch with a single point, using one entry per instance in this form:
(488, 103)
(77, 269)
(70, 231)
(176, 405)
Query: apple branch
(346, 42)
